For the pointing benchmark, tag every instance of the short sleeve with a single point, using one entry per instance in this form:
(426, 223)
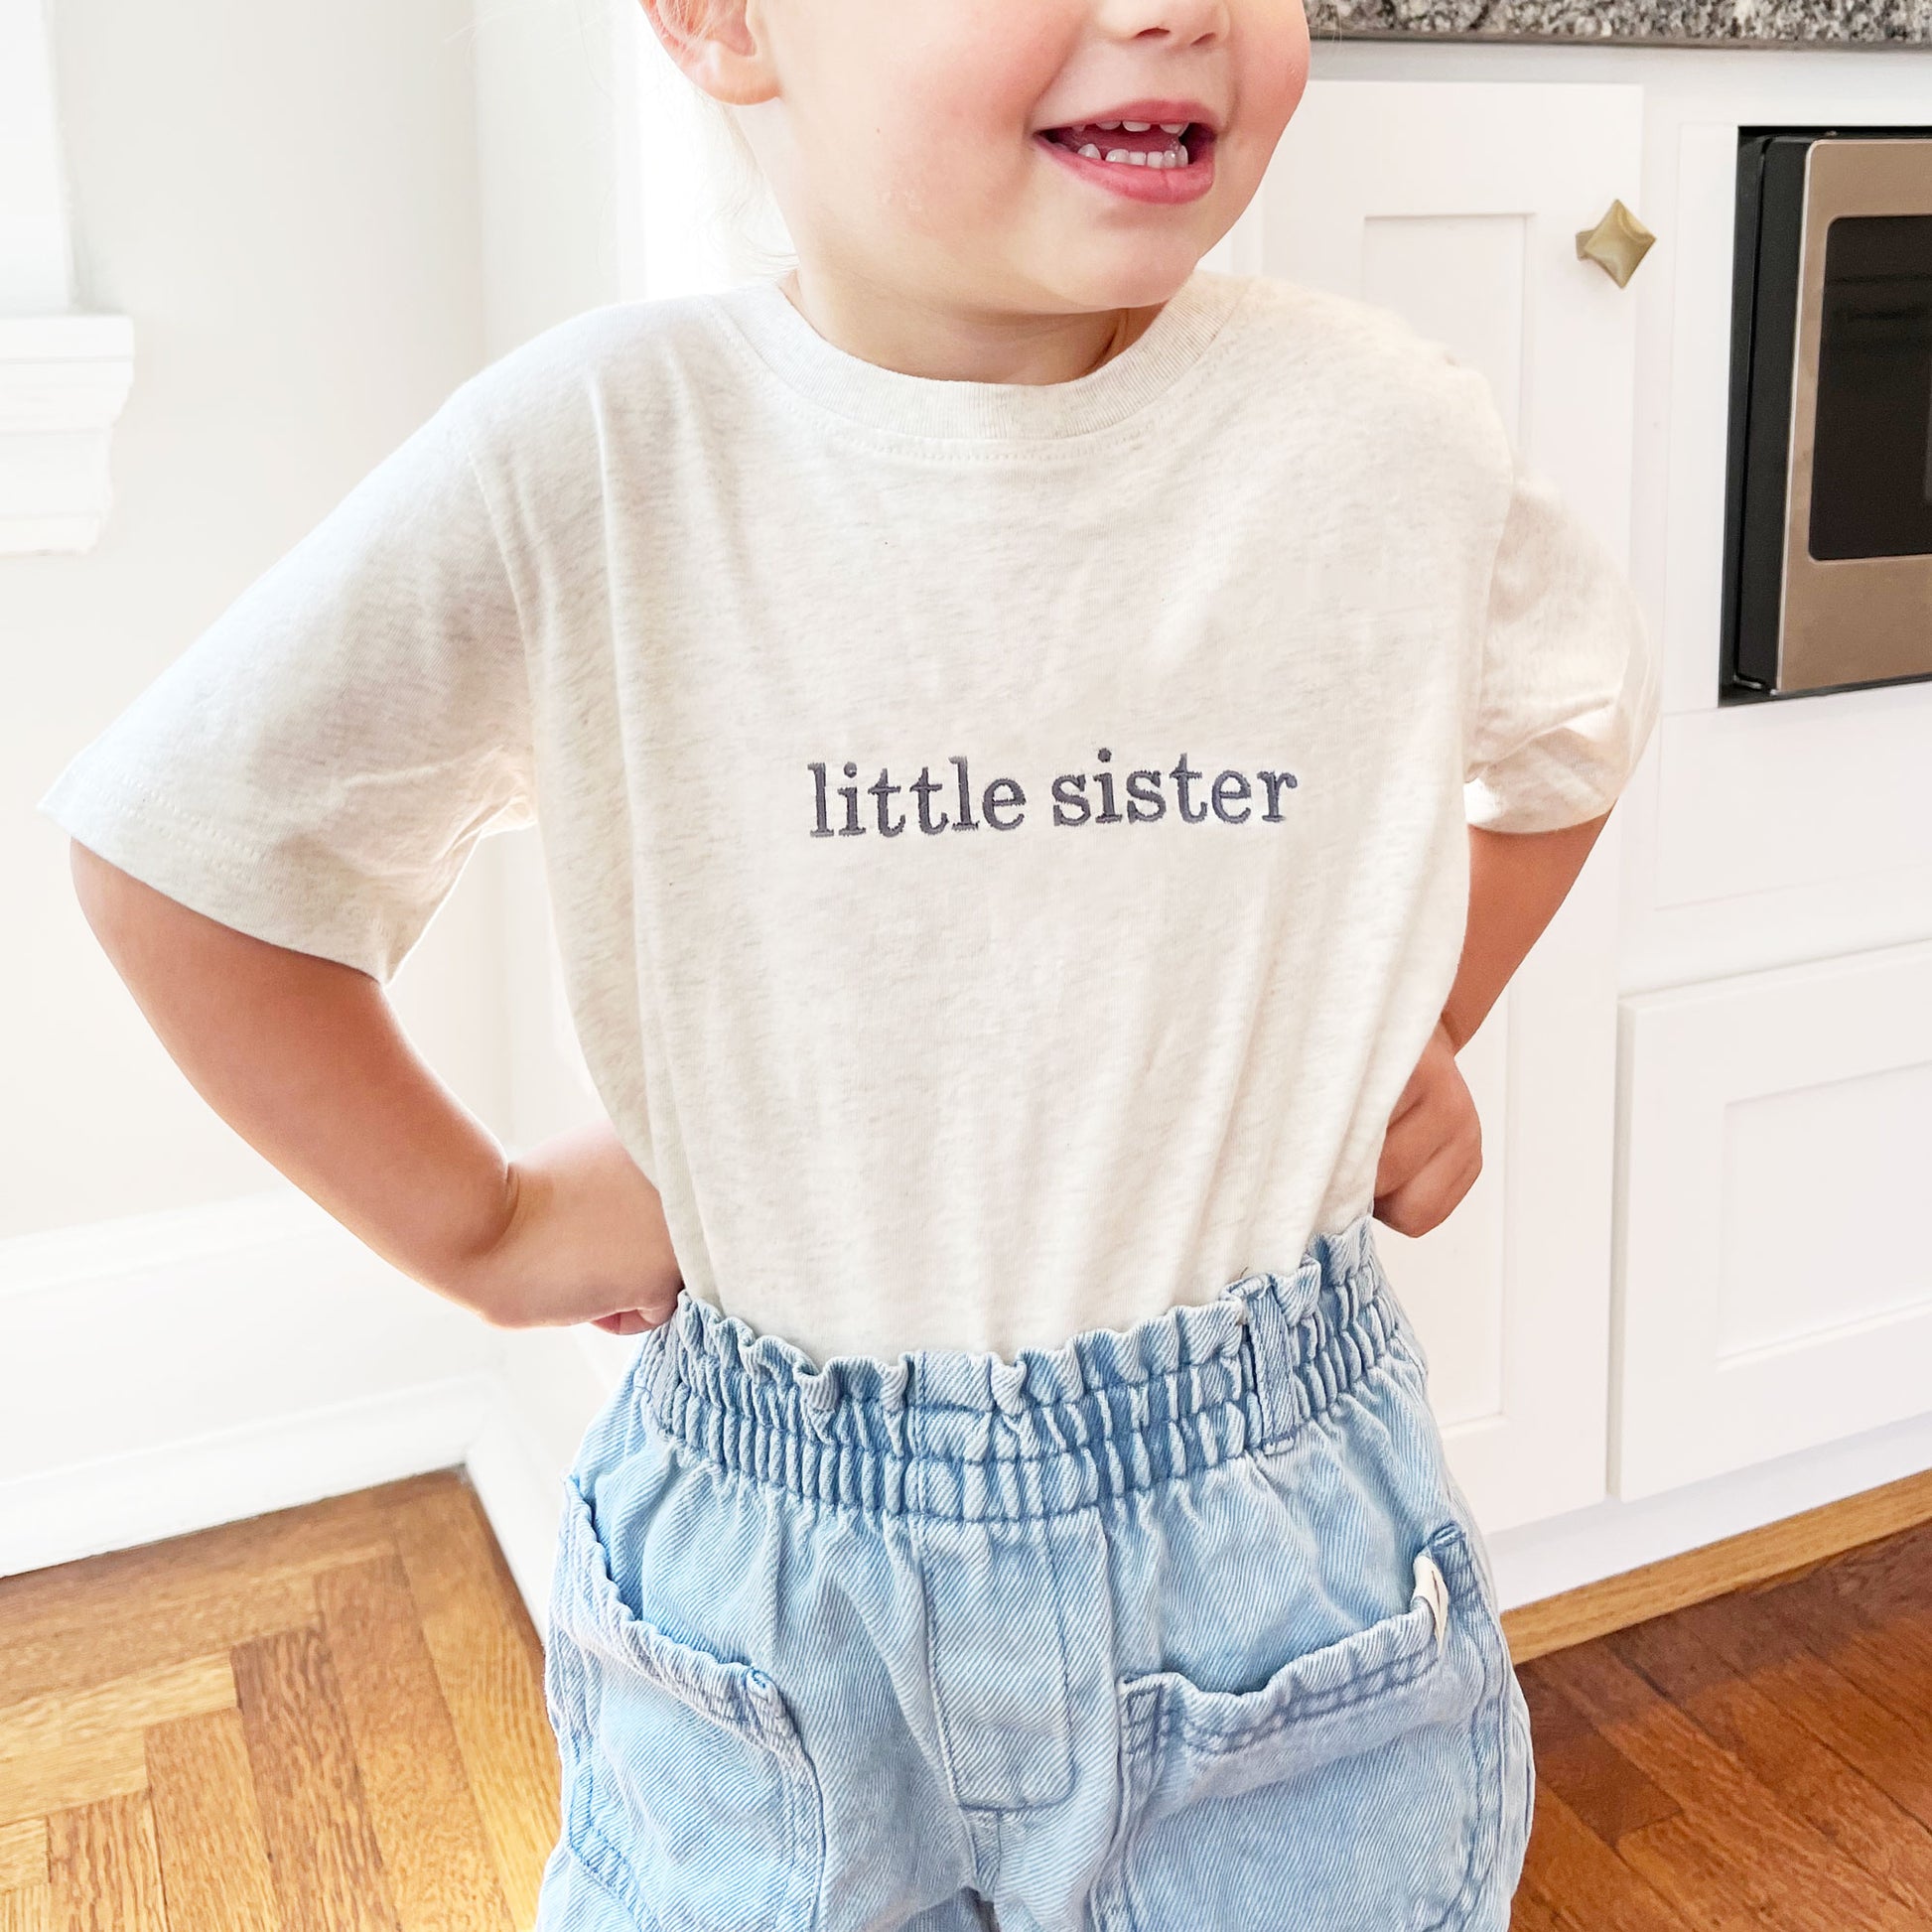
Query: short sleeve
(316, 768)
(1566, 690)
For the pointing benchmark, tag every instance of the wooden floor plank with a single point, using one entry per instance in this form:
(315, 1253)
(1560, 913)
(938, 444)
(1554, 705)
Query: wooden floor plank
(1735, 1841)
(1576, 1876)
(327, 1867)
(1887, 1748)
(309, 1535)
(441, 1873)
(63, 1658)
(79, 1623)
(490, 1666)
(23, 1854)
(1530, 1914)
(27, 1908)
(1583, 1769)
(180, 1689)
(1871, 1625)
(1710, 1886)
(99, 1766)
(102, 1869)
(1684, 1657)
(316, 1532)
(207, 1827)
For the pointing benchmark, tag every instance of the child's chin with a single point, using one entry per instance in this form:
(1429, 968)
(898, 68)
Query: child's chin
(1141, 281)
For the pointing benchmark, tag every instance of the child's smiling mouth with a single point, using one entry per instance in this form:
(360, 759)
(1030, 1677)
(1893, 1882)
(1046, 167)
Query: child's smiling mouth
(1149, 151)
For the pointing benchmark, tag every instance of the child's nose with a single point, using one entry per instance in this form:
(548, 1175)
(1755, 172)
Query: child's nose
(1180, 23)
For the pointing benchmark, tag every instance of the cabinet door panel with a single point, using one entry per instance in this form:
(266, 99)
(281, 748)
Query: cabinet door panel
(1776, 1289)
(1457, 204)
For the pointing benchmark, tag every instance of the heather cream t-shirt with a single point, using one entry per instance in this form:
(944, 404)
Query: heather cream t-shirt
(1006, 842)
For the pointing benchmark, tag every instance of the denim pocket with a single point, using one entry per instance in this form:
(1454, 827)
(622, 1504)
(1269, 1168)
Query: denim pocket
(1362, 1788)
(688, 1793)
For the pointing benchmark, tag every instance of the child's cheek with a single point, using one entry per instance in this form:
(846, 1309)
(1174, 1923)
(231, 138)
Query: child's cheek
(951, 167)
(1272, 67)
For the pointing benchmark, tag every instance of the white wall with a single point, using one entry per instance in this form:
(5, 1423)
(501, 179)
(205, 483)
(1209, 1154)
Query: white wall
(285, 201)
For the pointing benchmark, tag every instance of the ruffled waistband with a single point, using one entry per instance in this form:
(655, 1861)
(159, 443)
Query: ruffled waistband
(962, 1433)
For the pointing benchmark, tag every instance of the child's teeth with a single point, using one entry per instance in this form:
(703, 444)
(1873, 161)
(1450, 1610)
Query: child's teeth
(1174, 127)
(1137, 127)
(1172, 156)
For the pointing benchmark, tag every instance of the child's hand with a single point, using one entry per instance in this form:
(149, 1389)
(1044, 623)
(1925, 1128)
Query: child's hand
(1432, 1152)
(586, 1242)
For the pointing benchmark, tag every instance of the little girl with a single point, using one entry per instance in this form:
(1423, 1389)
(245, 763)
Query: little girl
(1043, 754)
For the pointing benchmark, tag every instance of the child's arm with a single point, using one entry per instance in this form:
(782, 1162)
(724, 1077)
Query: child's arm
(1517, 881)
(1432, 1150)
(303, 1057)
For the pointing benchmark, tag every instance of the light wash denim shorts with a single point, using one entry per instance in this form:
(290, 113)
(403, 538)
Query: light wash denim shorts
(1172, 1628)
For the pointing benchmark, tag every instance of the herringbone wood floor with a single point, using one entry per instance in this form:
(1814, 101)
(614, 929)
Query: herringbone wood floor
(325, 1719)
(331, 1719)
(1763, 1762)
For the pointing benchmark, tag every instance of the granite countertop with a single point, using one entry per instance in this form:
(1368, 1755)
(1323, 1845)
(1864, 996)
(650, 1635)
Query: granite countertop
(1693, 23)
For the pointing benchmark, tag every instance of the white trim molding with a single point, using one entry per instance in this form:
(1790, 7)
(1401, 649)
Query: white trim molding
(62, 382)
(63, 376)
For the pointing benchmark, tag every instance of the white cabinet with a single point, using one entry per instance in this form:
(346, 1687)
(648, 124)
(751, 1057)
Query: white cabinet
(1457, 205)
(1777, 1283)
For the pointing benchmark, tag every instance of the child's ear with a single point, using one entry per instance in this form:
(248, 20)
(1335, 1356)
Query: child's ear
(720, 43)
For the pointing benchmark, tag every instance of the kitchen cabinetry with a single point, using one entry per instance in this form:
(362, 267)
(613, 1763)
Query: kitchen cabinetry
(1690, 1258)
(1457, 204)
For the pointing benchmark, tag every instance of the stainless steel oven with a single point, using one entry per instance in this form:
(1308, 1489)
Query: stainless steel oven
(1828, 527)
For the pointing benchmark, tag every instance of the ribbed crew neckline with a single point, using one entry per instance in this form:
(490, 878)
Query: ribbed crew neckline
(930, 406)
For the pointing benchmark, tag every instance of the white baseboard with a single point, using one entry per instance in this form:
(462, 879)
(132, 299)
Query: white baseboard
(1544, 1558)
(169, 1488)
(166, 1372)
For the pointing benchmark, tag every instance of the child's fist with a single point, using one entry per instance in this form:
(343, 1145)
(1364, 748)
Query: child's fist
(1432, 1152)
(586, 1242)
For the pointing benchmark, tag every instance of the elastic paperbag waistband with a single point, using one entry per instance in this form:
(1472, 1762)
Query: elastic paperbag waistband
(973, 1436)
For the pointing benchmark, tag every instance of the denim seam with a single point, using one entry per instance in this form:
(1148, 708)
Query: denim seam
(1482, 1841)
(1408, 1668)
(603, 1879)
(674, 1665)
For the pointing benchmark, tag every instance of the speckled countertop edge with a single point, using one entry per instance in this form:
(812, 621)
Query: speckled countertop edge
(1868, 24)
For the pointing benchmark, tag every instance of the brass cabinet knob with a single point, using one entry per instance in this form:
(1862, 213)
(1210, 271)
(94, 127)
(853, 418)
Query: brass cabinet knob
(1616, 244)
